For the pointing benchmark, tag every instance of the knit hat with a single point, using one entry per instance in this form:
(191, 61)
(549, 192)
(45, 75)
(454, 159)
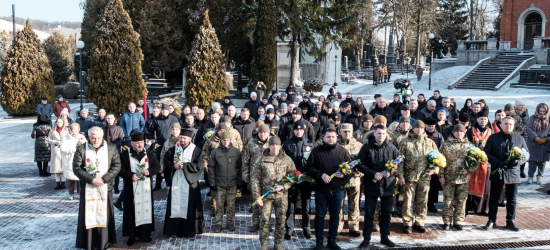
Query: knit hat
(509, 106)
(404, 119)
(298, 125)
(273, 91)
(226, 135)
(265, 98)
(314, 114)
(217, 100)
(274, 140)
(84, 110)
(335, 116)
(335, 84)
(61, 96)
(380, 119)
(64, 111)
(221, 126)
(227, 118)
(459, 127)
(215, 106)
(347, 127)
(284, 105)
(44, 98)
(430, 121)
(297, 110)
(405, 107)
(264, 128)
(176, 125)
(253, 94)
(306, 95)
(259, 123)
(268, 106)
(366, 118)
(442, 109)
(331, 126)
(519, 102)
(270, 111)
(419, 124)
(463, 117)
(329, 104)
(283, 94)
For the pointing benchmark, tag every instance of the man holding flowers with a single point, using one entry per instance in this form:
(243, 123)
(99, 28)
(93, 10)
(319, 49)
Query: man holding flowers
(272, 166)
(455, 177)
(376, 158)
(416, 176)
(505, 170)
(139, 165)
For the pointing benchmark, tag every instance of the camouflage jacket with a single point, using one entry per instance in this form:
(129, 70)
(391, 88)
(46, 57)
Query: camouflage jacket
(167, 145)
(519, 127)
(236, 140)
(398, 135)
(455, 151)
(212, 143)
(252, 152)
(415, 148)
(353, 147)
(248, 139)
(267, 170)
(359, 134)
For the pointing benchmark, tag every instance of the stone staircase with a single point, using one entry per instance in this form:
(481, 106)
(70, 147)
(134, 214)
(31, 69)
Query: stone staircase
(488, 76)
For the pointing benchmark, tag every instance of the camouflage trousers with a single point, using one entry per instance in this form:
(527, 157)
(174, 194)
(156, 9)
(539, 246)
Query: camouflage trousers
(226, 195)
(352, 192)
(256, 210)
(417, 191)
(280, 206)
(457, 193)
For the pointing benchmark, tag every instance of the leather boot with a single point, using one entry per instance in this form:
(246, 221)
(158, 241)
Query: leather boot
(331, 244)
(40, 169)
(254, 228)
(318, 245)
(62, 185)
(231, 227)
(45, 169)
(279, 247)
(58, 186)
(512, 226)
(365, 243)
(217, 228)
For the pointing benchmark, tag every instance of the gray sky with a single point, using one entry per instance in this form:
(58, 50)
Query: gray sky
(48, 10)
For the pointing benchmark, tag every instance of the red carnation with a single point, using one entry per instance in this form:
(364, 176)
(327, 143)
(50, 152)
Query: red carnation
(146, 159)
(88, 160)
(179, 145)
(299, 173)
(295, 171)
(431, 137)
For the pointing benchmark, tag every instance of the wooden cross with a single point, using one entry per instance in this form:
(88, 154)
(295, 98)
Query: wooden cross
(96, 163)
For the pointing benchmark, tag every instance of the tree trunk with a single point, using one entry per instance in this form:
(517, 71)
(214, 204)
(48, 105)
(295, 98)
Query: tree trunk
(293, 59)
(471, 19)
(418, 30)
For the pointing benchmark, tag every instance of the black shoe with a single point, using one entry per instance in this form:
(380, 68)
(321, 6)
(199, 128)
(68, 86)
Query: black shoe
(354, 234)
(394, 214)
(490, 226)
(364, 244)
(387, 242)
(548, 192)
(432, 209)
(407, 229)
(116, 190)
(318, 245)
(130, 242)
(148, 239)
(458, 227)
(420, 229)
(307, 234)
(298, 211)
(62, 185)
(58, 186)
(287, 236)
(502, 204)
(157, 189)
(522, 175)
(512, 226)
(331, 244)
(118, 206)
(446, 227)
(46, 174)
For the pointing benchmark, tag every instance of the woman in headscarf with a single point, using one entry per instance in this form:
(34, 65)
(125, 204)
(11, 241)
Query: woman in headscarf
(537, 142)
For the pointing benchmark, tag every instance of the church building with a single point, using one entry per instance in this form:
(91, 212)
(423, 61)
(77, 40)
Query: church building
(523, 20)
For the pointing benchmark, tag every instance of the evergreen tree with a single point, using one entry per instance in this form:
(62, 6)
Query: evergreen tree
(93, 11)
(452, 22)
(115, 73)
(264, 67)
(61, 55)
(5, 43)
(205, 78)
(27, 76)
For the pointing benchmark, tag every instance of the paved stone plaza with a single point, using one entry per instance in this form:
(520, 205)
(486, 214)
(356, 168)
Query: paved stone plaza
(35, 216)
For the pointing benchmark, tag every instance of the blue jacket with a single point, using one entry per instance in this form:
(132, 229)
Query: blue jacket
(130, 121)
(45, 109)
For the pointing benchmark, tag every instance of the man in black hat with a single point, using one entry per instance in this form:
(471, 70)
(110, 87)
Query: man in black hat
(139, 165)
(334, 119)
(327, 110)
(463, 119)
(434, 135)
(162, 129)
(45, 108)
(287, 130)
(272, 122)
(345, 109)
(298, 148)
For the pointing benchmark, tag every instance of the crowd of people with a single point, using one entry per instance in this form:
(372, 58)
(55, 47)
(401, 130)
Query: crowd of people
(274, 136)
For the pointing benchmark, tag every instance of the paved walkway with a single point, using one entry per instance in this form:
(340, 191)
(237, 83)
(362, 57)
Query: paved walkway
(34, 216)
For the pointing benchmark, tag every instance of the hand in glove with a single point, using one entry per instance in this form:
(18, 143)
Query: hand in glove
(512, 163)
(541, 141)
(213, 188)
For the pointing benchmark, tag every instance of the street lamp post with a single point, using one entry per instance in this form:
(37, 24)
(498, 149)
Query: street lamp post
(373, 66)
(431, 36)
(80, 46)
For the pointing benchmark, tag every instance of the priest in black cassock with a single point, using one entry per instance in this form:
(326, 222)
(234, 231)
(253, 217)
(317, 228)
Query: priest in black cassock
(183, 166)
(96, 163)
(139, 165)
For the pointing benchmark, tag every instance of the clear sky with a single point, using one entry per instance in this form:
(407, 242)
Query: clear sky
(48, 10)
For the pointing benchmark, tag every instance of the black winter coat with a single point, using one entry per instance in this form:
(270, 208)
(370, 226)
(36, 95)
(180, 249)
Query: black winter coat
(325, 159)
(274, 125)
(295, 148)
(387, 112)
(287, 130)
(253, 107)
(79, 166)
(373, 159)
(285, 118)
(496, 148)
(163, 126)
(354, 120)
(316, 130)
(324, 117)
(436, 137)
(245, 128)
(42, 148)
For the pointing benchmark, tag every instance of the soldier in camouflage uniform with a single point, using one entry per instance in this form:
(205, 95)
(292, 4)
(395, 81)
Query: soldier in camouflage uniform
(272, 165)
(212, 143)
(510, 111)
(236, 140)
(252, 152)
(224, 164)
(455, 191)
(415, 149)
(352, 146)
(366, 126)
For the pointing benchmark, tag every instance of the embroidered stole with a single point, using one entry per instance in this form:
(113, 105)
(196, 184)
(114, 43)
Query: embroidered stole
(180, 186)
(142, 193)
(478, 178)
(96, 197)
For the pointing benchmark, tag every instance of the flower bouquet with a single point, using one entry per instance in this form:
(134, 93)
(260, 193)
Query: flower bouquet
(93, 171)
(81, 141)
(514, 154)
(140, 168)
(208, 134)
(391, 166)
(178, 153)
(295, 177)
(346, 168)
(474, 157)
(436, 160)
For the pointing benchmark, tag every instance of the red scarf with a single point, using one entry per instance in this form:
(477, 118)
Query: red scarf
(479, 176)
(58, 129)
